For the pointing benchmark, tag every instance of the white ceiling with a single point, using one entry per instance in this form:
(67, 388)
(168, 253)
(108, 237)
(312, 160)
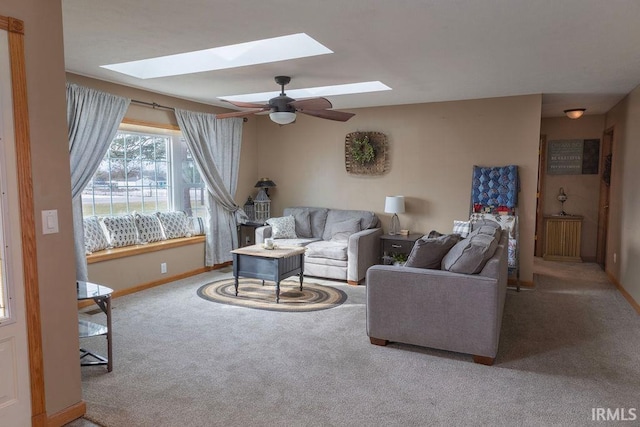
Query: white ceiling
(577, 53)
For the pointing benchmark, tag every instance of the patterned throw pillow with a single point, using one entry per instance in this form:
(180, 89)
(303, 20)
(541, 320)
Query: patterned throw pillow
(94, 237)
(149, 228)
(121, 230)
(283, 227)
(174, 224)
(463, 228)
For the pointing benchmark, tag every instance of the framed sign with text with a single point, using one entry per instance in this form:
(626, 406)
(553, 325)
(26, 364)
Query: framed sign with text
(573, 157)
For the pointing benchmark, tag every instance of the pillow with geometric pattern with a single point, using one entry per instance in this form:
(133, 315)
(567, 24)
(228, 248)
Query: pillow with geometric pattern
(94, 237)
(174, 224)
(283, 227)
(149, 228)
(121, 230)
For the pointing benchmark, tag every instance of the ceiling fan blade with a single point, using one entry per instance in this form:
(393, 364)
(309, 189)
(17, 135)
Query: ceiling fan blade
(240, 113)
(339, 116)
(245, 104)
(311, 104)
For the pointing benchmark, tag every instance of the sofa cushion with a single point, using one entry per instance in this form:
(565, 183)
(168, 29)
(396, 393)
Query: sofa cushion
(283, 227)
(317, 219)
(94, 237)
(367, 220)
(295, 242)
(324, 249)
(489, 230)
(302, 220)
(469, 255)
(149, 228)
(340, 231)
(428, 252)
(174, 224)
(121, 230)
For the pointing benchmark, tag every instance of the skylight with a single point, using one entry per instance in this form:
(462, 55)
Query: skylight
(238, 55)
(312, 92)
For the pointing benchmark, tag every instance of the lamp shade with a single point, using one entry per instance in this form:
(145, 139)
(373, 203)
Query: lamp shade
(575, 113)
(394, 204)
(283, 117)
(264, 183)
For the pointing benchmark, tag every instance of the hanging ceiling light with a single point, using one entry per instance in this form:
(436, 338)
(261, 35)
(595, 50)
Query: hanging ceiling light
(283, 117)
(575, 113)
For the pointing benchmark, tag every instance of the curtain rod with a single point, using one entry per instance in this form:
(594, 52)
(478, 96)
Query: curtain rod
(154, 106)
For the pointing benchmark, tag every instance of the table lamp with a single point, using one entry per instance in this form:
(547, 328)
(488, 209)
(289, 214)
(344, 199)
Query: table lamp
(394, 205)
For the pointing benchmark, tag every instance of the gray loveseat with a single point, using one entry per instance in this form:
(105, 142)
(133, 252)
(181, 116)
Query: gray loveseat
(440, 309)
(341, 244)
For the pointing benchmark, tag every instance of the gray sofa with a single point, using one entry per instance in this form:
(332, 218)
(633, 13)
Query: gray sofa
(334, 251)
(440, 309)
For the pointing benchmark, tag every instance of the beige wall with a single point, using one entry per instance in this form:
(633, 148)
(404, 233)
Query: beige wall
(583, 191)
(130, 272)
(624, 207)
(52, 190)
(433, 148)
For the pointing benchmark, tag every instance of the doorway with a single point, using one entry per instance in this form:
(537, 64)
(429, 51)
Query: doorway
(606, 164)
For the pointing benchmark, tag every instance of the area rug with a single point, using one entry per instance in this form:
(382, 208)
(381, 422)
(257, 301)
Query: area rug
(252, 294)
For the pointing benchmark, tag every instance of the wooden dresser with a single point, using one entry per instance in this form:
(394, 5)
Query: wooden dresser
(562, 237)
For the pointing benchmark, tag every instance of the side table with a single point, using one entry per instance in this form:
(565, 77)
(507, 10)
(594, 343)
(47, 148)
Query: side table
(102, 297)
(397, 244)
(247, 233)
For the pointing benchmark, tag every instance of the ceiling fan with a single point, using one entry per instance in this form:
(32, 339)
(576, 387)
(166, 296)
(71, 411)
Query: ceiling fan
(283, 109)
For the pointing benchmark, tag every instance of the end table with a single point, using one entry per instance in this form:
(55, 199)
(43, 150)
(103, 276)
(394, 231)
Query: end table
(397, 244)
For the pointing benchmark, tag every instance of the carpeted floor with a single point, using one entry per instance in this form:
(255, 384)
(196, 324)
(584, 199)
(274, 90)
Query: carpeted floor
(568, 346)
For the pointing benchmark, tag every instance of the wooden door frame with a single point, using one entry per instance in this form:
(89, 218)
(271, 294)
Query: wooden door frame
(542, 166)
(15, 29)
(603, 202)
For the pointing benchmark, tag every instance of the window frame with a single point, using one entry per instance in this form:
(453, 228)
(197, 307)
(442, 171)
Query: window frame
(175, 160)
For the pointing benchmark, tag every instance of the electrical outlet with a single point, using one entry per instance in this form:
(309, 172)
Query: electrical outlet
(163, 268)
(615, 258)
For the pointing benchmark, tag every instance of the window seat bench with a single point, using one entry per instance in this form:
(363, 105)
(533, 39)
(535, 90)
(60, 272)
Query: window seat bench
(126, 251)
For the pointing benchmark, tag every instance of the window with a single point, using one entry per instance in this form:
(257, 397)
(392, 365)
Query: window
(145, 169)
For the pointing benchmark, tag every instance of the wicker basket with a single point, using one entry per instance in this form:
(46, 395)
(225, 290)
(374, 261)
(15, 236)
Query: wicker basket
(378, 165)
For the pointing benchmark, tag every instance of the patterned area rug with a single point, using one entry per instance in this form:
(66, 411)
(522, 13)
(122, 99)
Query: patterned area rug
(252, 294)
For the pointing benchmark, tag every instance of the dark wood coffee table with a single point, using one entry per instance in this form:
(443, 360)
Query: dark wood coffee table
(268, 264)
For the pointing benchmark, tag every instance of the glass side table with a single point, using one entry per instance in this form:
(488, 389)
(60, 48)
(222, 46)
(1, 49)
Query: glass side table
(101, 295)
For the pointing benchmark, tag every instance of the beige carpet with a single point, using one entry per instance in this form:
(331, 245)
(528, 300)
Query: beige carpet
(568, 346)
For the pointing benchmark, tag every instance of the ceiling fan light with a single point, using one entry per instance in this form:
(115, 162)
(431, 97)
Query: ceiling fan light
(575, 113)
(283, 117)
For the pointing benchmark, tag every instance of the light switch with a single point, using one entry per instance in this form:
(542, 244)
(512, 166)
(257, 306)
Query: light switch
(50, 222)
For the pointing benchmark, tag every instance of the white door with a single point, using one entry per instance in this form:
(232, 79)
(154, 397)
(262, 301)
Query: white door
(15, 398)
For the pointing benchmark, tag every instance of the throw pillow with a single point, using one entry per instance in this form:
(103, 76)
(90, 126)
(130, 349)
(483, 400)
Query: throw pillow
(462, 228)
(121, 230)
(197, 225)
(469, 256)
(340, 231)
(149, 228)
(283, 227)
(428, 252)
(174, 224)
(94, 237)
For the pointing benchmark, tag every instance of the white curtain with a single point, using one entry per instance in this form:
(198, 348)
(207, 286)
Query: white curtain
(93, 118)
(215, 146)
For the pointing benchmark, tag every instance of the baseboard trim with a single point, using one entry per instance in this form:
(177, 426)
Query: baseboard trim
(142, 287)
(523, 283)
(624, 292)
(67, 415)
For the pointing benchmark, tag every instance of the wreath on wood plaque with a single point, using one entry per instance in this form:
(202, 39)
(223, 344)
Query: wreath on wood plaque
(366, 153)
